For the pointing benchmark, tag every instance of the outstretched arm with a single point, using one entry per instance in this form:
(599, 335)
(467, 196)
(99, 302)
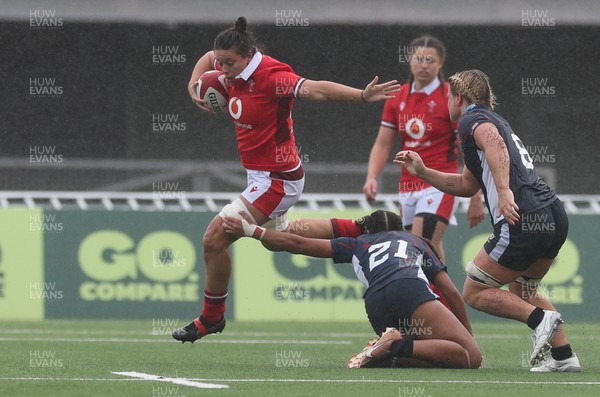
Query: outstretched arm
(312, 228)
(330, 91)
(464, 185)
(279, 241)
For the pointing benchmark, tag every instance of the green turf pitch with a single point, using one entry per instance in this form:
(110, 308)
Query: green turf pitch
(78, 358)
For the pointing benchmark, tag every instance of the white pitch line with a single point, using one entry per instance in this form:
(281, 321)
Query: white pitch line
(169, 340)
(176, 381)
(74, 379)
(507, 382)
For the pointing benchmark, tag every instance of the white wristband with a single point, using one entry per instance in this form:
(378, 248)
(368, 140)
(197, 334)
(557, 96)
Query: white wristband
(254, 231)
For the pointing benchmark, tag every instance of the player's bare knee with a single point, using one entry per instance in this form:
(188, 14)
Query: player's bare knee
(475, 358)
(214, 240)
(462, 360)
(469, 295)
(477, 281)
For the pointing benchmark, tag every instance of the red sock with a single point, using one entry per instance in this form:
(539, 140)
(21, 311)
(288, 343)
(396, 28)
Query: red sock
(214, 306)
(442, 297)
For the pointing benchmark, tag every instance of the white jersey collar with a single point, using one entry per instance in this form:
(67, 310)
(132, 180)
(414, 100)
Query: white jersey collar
(428, 89)
(252, 66)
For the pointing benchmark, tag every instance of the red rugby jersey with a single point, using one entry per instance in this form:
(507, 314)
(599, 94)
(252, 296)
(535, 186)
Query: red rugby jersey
(260, 105)
(423, 122)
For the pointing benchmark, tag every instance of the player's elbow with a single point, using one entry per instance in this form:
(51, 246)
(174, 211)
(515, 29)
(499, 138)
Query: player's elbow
(471, 190)
(467, 189)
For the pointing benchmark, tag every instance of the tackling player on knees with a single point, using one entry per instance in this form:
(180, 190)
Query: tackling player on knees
(520, 252)
(395, 266)
(339, 227)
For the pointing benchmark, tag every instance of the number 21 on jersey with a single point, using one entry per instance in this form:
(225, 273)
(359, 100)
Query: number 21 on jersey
(379, 253)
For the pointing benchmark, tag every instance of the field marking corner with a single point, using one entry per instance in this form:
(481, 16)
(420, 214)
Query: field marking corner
(176, 381)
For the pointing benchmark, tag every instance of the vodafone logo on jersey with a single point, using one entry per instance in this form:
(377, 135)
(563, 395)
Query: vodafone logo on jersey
(235, 107)
(414, 128)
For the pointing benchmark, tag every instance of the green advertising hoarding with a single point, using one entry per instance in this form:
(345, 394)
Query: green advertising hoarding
(126, 264)
(281, 286)
(22, 286)
(134, 264)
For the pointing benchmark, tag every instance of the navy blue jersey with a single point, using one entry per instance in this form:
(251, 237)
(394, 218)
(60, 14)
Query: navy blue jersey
(381, 258)
(530, 191)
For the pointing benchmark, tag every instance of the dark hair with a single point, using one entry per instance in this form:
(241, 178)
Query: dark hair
(379, 221)
(237, 37)
(428, 41)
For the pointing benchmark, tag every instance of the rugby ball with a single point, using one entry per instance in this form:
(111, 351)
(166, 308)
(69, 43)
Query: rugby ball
(213, 88)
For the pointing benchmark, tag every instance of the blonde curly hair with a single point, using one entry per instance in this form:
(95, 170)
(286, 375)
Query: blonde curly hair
(474, 85)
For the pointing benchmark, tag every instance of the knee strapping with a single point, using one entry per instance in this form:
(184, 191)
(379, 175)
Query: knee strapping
(482, 277)
(233, 210)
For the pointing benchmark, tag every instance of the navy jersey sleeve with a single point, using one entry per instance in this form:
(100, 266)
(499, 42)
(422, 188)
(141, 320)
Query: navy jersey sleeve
(469, 122)
(343, 249)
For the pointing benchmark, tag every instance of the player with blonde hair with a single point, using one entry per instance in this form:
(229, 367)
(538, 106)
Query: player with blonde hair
(529, 221)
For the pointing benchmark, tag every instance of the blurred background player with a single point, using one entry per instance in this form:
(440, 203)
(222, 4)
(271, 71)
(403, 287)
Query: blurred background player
(529, 221)
(261, 96)
(418, 114)
(395, 267)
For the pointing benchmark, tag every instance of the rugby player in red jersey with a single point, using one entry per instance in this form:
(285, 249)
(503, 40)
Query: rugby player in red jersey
(418, 115)
(261, 95)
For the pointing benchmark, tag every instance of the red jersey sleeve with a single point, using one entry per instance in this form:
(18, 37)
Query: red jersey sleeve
(389, 118)
(344, 228)
(283, 84)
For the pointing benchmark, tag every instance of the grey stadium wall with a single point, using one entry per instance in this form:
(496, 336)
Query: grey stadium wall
(112, 87)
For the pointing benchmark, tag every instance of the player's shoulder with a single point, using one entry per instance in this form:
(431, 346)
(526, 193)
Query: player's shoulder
(474, 118)
(269, 64)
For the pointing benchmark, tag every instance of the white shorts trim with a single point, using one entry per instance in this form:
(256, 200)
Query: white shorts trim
(426, 201)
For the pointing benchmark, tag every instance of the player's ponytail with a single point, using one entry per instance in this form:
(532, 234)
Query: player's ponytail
(237, 37)
(475, 86)
(241, 25)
